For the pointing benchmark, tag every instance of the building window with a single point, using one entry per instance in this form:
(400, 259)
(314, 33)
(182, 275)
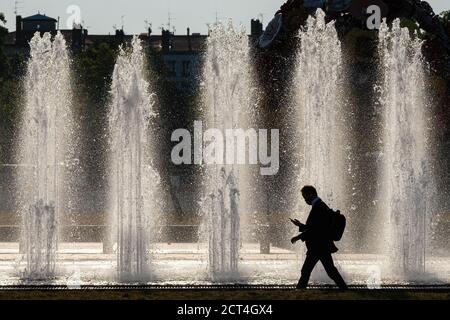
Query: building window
(171, 66)
(38, 26)
(186, 68)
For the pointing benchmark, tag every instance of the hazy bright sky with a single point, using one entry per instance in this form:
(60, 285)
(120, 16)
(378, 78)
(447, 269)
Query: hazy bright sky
(100, 16)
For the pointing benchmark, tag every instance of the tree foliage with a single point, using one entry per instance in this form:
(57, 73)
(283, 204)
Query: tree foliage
(94, 69)
(445, 15)
(3, 34)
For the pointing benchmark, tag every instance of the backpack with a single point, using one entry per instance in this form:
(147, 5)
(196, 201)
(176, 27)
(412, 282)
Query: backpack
(338, 222)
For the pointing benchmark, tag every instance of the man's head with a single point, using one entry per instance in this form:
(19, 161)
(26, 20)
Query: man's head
(309, 193)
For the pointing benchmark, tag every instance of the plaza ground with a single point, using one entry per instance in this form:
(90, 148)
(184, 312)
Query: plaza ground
(180, 271)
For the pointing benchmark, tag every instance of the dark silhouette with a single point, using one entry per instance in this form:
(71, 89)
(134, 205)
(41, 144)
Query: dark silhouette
(318, 239)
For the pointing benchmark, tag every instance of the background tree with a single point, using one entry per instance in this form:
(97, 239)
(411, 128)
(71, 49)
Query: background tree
(3, 35)
(11, 69)
(445, 15)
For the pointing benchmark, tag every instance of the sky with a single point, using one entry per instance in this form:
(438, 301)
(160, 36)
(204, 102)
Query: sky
(102, 16)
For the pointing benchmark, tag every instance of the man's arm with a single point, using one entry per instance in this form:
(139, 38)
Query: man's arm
(301, 226)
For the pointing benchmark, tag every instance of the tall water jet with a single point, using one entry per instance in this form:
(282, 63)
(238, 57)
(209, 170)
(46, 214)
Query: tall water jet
(226, 104)
(45, 147)
(134, 183)
(406, 177)
(319, 112)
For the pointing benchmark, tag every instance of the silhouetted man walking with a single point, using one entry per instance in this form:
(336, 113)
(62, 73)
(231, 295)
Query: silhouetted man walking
(316, 235)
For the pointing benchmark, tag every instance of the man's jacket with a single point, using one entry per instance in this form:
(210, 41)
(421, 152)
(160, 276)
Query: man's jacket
(316, 232)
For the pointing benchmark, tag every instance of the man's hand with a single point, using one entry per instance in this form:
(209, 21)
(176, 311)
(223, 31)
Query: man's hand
(296, 222)
(295, 239)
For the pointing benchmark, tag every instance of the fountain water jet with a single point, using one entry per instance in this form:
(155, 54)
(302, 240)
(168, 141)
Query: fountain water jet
(406, 180)
(45, 146)
(319, 112)
(133, 180)
(227, 98)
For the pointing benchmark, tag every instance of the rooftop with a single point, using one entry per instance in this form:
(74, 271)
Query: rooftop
(39, 17)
